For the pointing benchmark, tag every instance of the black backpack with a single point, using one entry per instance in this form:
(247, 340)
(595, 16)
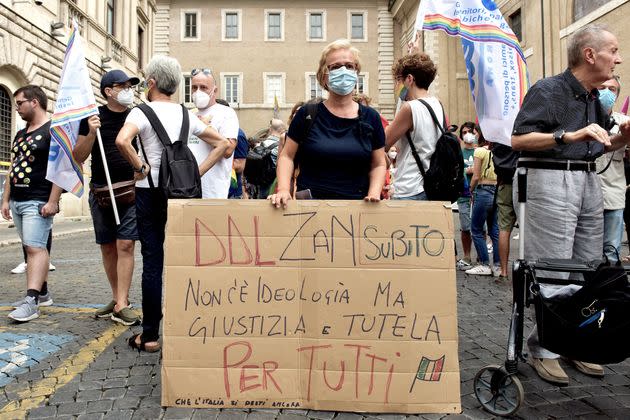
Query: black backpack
(259, 167)
(444, 180)
(179, 173)
(504, 159)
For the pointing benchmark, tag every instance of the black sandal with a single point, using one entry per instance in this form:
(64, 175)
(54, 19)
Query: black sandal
(142, 346)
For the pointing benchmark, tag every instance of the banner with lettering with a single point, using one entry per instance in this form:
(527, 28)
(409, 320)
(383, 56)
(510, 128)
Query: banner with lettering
(497, 72)
(338, 305)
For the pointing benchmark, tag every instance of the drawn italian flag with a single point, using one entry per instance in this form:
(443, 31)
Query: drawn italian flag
(430, 370)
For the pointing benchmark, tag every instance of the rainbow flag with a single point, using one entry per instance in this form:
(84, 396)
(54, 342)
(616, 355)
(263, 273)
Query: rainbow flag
(495, 63)
(75, 101)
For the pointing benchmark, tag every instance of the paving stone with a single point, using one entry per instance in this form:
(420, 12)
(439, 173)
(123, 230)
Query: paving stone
(91, 416)
(117, 373)
(352, 416)
(127, 402)
(101, 406)
(118, 415)
(257, 415)
(150, 402)
(206, 414)
(147, 413)
(294, 411)
(87, 385)
(89, 395)
(60, 397)
(233, 414)
(141, 370)
(43, 412)
(113, 394)
(73, 409)
(321, 415)
(178, 413)
(94, 375)
(138, 380)
(139, 391)
(577, 407)
(285, 416)
(602, 402)
(114, 383)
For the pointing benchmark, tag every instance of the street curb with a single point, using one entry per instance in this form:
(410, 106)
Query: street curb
(9, 242)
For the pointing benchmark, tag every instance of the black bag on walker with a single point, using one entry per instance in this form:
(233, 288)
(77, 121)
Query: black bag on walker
(593, 324)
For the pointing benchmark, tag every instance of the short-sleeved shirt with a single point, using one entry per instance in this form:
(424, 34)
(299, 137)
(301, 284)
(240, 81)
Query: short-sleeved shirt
(29, 161)
(216, 182)
(487, 166)
(119, 168)
(170, 115)
(242, 147)
(561, 103)
(335, 158)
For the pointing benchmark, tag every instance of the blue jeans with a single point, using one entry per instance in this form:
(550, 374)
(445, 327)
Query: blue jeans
(613, 232)
(31, 226)
(151, 220)
(482, 211)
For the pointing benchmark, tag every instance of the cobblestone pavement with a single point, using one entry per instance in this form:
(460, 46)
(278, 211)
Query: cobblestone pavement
(67, 364)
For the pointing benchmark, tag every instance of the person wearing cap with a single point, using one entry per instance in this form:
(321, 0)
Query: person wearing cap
(116, 241)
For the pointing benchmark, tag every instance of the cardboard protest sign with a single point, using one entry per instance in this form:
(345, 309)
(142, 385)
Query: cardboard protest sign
(335, 305)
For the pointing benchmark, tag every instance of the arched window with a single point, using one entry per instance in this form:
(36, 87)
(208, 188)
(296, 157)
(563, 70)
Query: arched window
(582, 8)
(6, 122)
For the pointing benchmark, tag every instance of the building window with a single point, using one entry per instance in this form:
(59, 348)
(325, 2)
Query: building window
(316, 25)
(111, 13)
(515, 24)
(357, 25)
(6, 122)
(274, 25)
(187, 89)
(274, 87)
(313, 87)
(140, 47)
(361, 84)
(231, 23)
(582, 8)
(231, 87)
(190, 25)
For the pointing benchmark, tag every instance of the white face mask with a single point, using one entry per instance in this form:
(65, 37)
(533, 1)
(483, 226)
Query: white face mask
(392, 154)
(201, 99)
(469, 138)
(125, 97)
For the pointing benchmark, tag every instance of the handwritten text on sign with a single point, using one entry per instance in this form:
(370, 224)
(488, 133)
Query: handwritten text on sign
(344, 307)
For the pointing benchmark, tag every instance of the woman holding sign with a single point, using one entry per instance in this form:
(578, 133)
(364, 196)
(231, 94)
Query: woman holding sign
(338, 143)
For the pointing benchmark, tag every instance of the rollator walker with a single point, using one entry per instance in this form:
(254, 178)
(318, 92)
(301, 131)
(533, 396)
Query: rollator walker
(498, 388)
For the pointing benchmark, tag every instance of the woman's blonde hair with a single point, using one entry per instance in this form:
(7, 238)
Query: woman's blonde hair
(340, 44)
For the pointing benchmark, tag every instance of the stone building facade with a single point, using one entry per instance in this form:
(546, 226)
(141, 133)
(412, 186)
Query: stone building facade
(33, 37)
(259, 50)
(543, 26)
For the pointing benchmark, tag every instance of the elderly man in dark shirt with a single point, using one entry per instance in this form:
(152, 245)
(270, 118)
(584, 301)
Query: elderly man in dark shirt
(560, 131)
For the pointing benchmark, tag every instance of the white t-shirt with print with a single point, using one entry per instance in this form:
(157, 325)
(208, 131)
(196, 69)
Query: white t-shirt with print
(170, 115)
(424, 134)
(216, 182)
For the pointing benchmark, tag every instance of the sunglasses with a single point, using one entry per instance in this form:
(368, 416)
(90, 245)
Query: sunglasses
(195, 72)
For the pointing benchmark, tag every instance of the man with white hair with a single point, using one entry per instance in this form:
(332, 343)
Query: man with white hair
(162, 80)
(216, 182)
(560, 130)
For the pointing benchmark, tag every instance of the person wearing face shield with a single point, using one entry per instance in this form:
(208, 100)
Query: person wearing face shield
(341, 154)
(216, 182)
(612, 177)
(117, 242)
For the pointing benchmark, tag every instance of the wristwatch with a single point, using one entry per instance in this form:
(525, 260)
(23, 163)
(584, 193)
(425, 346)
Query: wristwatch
(558, 137)
(141, 170)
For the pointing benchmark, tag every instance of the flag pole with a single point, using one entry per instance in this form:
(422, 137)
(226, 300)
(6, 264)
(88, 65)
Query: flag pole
(109, 180)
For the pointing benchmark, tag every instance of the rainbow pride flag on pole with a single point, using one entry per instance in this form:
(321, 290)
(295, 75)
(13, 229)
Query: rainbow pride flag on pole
(75, 101)
(497, 72)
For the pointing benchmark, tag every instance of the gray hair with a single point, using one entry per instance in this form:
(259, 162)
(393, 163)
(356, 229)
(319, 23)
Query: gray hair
(589, 36)
(166, 72)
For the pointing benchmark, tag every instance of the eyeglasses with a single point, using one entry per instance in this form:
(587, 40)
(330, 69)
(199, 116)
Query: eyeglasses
(19, 103)
(205, 71)
(335, 66)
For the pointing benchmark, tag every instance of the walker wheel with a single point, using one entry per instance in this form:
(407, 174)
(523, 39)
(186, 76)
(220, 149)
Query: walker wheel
(498, 392)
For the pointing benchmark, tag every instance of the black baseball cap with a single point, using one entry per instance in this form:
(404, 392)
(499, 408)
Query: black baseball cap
(116, 77)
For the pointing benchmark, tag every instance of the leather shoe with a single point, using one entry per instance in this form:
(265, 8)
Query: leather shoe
(590, 369)
(550, 371)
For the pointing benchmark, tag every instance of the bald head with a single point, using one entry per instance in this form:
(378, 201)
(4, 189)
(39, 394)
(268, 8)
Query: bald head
(277, 127)
(206, 83)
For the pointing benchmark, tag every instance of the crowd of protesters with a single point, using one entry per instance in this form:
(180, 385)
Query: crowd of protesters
(336, 148)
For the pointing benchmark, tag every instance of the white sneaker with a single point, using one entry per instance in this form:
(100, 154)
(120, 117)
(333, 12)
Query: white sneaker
(480, 270)
(463, 265)
(51, 267)
(455, 207)
(496, 270)
(490, 248)
(516, 237)
(26, 311)
(19, 269)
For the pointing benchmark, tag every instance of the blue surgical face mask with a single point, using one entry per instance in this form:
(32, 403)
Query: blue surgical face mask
(342, 81)
(607, 99)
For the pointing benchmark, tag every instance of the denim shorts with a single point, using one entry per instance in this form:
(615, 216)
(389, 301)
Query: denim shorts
(31, 226)
(105, 229)
(463, 206)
